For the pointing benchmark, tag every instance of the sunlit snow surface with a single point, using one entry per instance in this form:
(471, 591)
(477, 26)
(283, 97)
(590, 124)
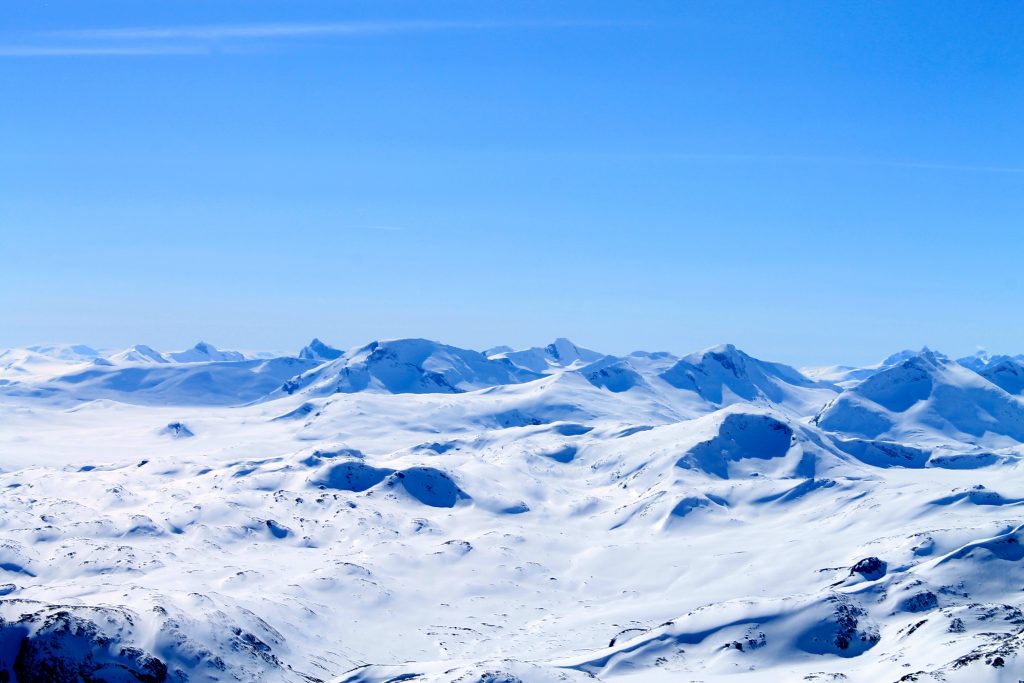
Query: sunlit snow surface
(410, 511)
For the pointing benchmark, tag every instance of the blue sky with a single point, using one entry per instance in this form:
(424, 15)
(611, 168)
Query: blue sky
(815, 182)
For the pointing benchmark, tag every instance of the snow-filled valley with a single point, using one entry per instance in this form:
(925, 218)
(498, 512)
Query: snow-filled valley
(413, 511)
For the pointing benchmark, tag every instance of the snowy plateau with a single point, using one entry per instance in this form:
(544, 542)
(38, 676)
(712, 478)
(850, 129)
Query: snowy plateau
(413, 511)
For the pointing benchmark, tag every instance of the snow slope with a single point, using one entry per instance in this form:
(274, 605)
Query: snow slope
(927, 398)
(412, 511)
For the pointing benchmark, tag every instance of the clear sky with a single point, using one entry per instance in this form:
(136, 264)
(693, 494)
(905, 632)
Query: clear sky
(812, 181)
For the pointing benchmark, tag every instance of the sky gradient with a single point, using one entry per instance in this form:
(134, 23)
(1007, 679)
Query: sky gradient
(814, 182)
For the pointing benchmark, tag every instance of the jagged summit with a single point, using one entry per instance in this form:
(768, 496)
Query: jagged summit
(317, 350)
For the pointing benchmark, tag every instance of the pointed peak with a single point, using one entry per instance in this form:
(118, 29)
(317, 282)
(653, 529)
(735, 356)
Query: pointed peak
(562, 349)
(317, 350)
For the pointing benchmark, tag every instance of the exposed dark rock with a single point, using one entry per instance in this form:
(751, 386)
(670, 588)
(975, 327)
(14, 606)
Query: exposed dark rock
(920, 602)
(871, 568)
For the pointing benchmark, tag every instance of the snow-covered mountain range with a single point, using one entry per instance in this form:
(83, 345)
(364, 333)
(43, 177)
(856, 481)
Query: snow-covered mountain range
(408, 510)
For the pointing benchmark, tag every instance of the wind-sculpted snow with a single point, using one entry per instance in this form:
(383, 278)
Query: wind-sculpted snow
(740, 436)
(412, 511)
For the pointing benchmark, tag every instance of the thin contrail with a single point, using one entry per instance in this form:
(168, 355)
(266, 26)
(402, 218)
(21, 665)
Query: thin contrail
(99, 51)
(288, 30)
(196, 39)
(843, 161)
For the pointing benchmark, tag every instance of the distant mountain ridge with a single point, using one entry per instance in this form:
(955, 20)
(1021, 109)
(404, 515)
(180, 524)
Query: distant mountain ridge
(409, 366)
(910, 392)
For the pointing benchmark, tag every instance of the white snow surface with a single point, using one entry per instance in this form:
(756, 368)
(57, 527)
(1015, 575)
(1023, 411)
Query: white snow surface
(413, 511)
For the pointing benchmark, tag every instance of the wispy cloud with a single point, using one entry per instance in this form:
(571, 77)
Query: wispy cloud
(971, 168)
(832, 161)
(99, 51)
(299, 30)
(198, 39)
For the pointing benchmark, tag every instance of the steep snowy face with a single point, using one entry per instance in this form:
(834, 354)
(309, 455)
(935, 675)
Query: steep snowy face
(139, 353)
(926, 397)
(724, 375)
(409, 366)
(559, 355)
(614, 374)
(317, 350)
(202, 353)
(1007, 374)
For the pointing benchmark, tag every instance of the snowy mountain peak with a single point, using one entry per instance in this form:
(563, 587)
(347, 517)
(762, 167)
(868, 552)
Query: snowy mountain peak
(565, 352)
(847, 376)
(203, 352)
(907, 354)
(317, 350)
(725, 355)
(926, 395)
(138, 353)
(559, 355)
(724, 374)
